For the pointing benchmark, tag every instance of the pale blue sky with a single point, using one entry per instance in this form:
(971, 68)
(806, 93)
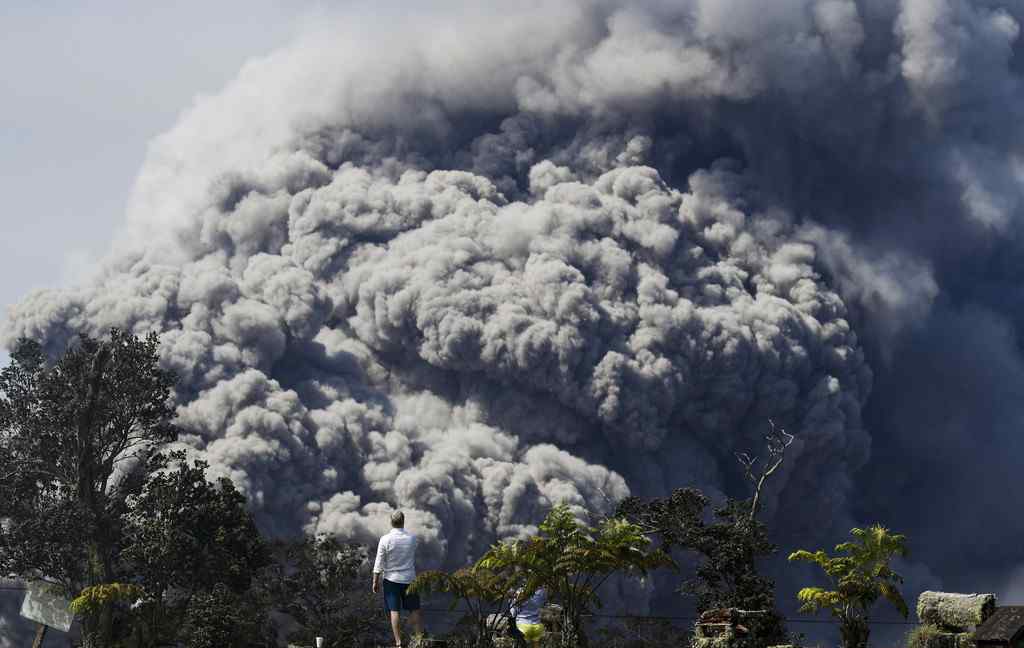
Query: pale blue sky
(84, 86)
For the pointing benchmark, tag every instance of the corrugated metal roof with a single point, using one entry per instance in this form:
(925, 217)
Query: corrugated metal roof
(1004, 625)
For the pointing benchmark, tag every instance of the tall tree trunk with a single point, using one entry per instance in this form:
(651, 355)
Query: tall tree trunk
(854, 631)
(573, 635)
(96, 628)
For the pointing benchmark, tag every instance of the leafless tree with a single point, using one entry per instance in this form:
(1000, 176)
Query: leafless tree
(778, 440)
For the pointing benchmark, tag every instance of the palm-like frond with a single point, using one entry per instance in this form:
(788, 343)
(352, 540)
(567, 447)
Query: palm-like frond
(861, 574)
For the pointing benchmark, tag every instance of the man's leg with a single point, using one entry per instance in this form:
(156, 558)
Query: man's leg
(396, 627)
(411, 603)
(417, 621)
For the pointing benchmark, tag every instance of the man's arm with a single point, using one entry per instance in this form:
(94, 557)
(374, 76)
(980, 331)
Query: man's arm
(378, 565)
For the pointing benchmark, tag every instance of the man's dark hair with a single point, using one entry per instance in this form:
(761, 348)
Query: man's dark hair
(398, 519)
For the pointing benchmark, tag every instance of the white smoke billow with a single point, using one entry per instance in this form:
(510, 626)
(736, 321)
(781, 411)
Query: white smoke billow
(475, 266)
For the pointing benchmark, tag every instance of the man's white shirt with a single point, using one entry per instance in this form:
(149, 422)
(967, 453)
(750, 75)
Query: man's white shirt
(396, 556)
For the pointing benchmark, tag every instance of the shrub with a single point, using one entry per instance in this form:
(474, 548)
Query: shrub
(322, 585)
(220, 618)
(928, 635)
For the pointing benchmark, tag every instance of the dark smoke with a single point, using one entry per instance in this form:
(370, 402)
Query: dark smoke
(472, 267)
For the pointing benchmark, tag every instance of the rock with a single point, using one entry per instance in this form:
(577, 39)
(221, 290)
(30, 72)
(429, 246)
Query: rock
(936, 638)
(498, 621)
(955, 611)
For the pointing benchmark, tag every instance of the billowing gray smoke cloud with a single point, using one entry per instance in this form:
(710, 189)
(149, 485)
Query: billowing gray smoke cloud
(577, 250)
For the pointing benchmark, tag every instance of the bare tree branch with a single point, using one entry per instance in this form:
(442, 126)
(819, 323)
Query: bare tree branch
(777, 440)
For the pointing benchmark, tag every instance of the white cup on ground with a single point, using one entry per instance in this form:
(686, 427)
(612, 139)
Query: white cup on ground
(319, 642)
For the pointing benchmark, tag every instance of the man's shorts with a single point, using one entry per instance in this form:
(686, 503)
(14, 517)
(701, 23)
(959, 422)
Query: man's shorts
(395, 598)
(532, 632)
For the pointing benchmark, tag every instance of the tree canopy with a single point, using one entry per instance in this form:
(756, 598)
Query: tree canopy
(859, 579)
(73, 436)
(322, 585)
(728, 548)
(488, 594)
(185, 536)
(90, 502)
(572, 560)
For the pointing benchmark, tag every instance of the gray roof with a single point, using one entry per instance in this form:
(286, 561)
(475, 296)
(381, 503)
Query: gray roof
(1005, 624)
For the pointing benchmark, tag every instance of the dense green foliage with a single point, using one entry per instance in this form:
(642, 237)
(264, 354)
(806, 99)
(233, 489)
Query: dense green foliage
(572, 560)
(185, 536)
(487, 594)
(922, 636)
(93, 599)
(859, 578)
(728, 548)
(90, 504)
(568, 558)
(323, 586)
(221, 618)
(76, 436)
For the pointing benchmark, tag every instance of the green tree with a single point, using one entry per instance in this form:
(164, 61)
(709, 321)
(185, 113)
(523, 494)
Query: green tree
(221, 618)
(729, 548)
(119, 600)
(572, 560)
(184, 536)
(73, 436)
(322, 585)
(488, 594)
(859, 578)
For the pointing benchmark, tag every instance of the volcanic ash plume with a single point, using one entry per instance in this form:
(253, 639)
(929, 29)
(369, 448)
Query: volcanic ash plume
(472, 268)
(391, 336)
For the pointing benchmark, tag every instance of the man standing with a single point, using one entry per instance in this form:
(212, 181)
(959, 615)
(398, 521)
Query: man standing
(396, 563)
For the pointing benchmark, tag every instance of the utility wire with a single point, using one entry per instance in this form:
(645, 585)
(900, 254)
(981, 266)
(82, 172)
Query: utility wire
(655, 617)
(680, 618)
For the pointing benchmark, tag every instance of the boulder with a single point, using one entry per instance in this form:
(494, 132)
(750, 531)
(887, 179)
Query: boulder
(498, 621)
(955, 611)
(951, 640)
